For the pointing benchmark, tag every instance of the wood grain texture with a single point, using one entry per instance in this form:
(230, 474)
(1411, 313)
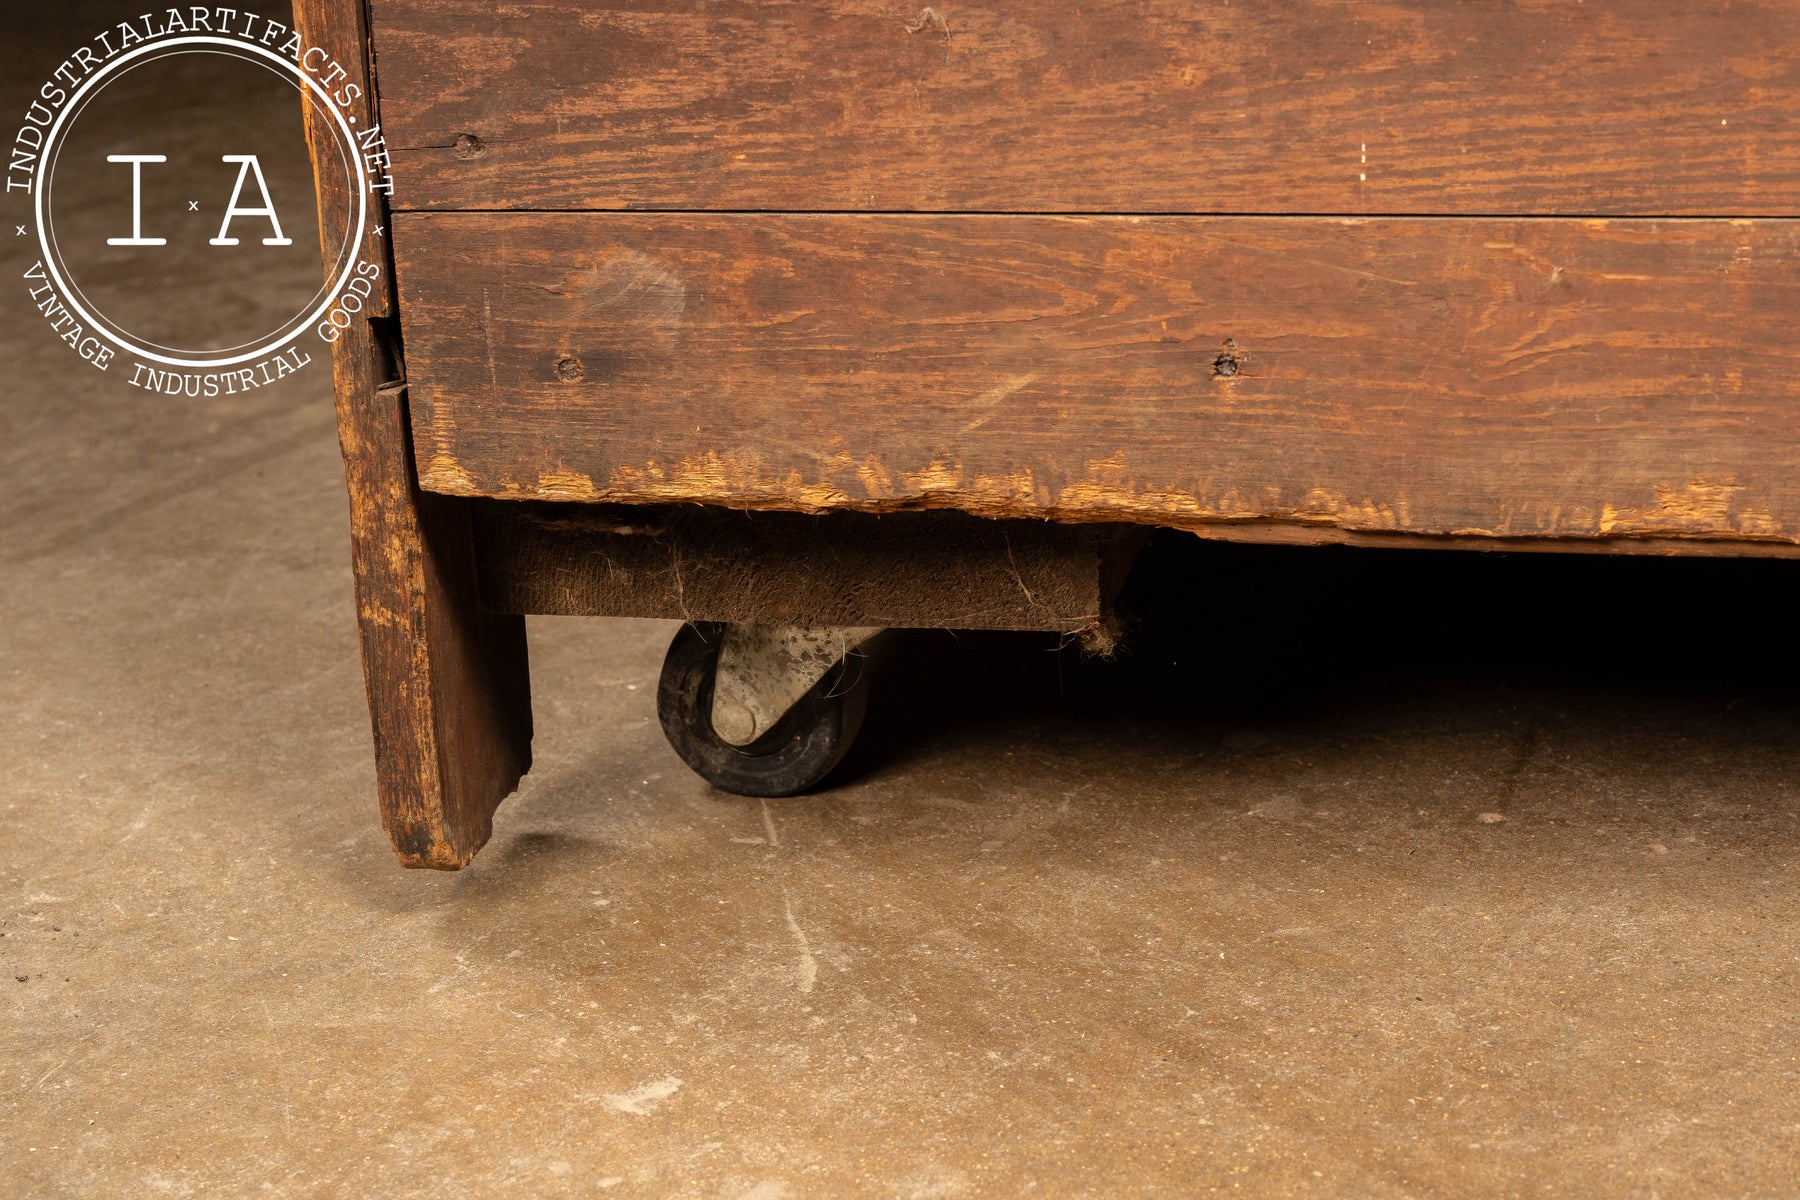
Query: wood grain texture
(340, 29)
(1487, 378)
(447, 682)
(1644, 107)
(937, 570)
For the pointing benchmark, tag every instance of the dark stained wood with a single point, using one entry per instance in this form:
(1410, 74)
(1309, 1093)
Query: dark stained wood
(1492, 378)
(340, 29)
(1647, 107)
(936, 570)
(448, 687)
(1275, 534)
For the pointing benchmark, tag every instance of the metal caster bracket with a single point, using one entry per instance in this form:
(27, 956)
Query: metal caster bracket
(764, 670)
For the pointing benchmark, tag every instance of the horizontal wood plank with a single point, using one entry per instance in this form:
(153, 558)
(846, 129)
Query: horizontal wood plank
(930, 570)
(1644, 107)
(1504, 378)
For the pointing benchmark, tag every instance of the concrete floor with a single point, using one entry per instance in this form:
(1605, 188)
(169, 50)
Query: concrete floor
(1360, 875)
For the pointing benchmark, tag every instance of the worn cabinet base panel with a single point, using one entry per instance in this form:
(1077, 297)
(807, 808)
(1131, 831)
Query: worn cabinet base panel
(938, 570)
(1488, 378)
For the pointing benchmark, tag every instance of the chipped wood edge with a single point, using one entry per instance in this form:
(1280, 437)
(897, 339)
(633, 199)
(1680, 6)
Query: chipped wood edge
(1685, 519)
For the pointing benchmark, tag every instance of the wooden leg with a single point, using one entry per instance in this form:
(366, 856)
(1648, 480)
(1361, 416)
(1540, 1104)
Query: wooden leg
(449, 689)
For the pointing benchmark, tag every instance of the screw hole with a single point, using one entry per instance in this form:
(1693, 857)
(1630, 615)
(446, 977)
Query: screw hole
(470, 146)
(1228, 362)
(569, 369)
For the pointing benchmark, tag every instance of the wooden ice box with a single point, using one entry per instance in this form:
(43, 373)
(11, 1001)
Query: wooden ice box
(992, 284)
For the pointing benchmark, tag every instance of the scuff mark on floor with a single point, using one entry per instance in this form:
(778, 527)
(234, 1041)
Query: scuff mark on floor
(641, 1101)
(809, 966)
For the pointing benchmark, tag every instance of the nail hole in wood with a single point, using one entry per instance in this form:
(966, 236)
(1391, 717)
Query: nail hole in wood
(1226, 365)
(470, 146)
(569, 369)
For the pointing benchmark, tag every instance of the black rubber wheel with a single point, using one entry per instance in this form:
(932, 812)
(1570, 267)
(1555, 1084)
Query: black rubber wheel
(794, 757)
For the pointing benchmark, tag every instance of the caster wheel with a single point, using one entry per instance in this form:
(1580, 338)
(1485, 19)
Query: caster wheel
(799, 751)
